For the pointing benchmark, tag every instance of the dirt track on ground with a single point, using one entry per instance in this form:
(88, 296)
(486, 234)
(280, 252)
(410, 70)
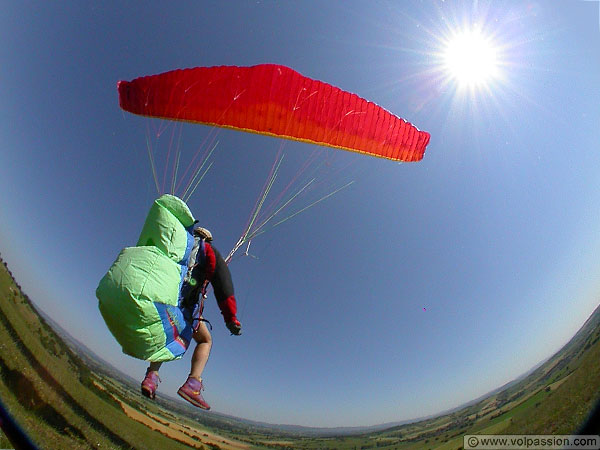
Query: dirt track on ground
(194, 437)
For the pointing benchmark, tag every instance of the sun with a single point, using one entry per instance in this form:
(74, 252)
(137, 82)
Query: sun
(471, 59)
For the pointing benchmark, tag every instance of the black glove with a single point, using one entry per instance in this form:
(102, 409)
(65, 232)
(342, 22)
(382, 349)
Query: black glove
(234, 326)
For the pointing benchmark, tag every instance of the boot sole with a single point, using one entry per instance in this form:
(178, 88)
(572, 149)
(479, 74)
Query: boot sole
(149, 394)
(191, 400)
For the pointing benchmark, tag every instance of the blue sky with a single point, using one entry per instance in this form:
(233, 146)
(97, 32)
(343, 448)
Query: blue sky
(419, 287)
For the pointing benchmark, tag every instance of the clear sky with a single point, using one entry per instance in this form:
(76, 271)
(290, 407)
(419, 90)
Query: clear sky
(419, 287)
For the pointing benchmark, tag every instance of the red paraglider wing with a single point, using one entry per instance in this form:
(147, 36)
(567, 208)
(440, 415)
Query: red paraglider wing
(278, 101)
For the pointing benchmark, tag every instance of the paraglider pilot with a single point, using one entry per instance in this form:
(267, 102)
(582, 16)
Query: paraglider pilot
(152, 297)
(210, 268)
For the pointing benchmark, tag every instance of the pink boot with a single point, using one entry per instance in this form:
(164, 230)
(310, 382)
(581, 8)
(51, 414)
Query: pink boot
(150, 384)
(191, 392)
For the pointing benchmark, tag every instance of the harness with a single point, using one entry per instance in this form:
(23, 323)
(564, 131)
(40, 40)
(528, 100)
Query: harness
(197, 257)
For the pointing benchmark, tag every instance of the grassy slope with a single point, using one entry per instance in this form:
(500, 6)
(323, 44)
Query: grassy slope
(47, 389)
(564, 409)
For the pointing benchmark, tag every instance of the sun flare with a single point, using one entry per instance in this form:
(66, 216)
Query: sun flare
(471, 59)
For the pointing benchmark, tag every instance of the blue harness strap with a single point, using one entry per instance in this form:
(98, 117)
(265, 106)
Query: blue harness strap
(178, 332)
(188, 261)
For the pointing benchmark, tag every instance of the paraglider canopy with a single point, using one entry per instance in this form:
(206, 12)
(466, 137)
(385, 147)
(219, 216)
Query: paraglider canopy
(274, 100)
